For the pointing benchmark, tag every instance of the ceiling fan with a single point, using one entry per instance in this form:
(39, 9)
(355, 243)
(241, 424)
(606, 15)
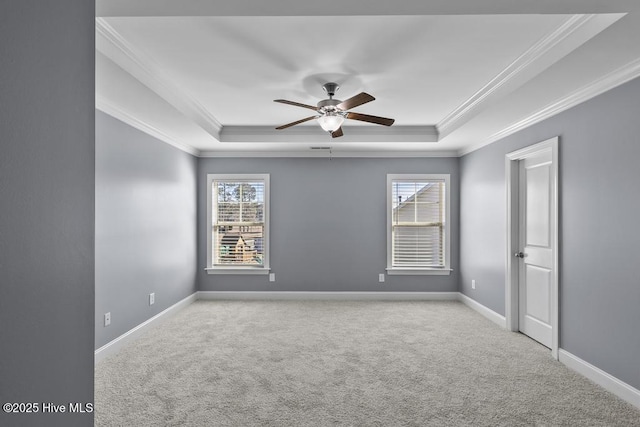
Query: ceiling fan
(332, 112)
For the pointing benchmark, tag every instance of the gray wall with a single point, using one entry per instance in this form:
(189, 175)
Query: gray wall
(599, 205)
(145, 226)
(328, 224)
(46, 207)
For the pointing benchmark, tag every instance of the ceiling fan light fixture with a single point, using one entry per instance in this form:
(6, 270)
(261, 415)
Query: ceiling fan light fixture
(330, 122)
(331, 112)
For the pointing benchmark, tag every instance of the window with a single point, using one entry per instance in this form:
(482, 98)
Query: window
(238, 226)
(418, 224)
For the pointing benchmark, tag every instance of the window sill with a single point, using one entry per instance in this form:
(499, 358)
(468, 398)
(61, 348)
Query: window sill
(418, 271)
(237, 270)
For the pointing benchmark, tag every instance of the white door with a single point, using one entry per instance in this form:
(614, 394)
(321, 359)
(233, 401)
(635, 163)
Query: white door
(536, 246)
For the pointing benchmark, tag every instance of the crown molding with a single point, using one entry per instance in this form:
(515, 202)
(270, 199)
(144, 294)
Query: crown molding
(599, 86)
(119, 50)
(521, 65)
(325, 151)
(328, 152)
(123, 116)
(315, 134)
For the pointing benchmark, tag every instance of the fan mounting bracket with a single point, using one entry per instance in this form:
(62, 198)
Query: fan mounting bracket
(331, 88)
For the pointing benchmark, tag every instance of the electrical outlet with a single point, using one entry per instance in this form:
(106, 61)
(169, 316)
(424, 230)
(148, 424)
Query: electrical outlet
(107, 319)
(152, 298)
(381, 277)
(473, 284)
(272, 277)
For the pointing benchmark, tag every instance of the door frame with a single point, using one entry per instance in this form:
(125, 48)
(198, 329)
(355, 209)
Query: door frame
(512, 279)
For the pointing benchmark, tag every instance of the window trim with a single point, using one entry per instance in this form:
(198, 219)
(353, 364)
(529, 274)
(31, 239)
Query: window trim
(415, 271)
(210, 268)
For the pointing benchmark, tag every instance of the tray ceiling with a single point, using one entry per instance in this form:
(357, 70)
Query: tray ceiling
(204, 79)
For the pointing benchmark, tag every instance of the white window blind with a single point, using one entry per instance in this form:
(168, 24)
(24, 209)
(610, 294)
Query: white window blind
(238, 222)
(418, 223)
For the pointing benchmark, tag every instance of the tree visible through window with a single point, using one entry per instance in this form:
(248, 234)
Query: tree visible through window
(238, 221)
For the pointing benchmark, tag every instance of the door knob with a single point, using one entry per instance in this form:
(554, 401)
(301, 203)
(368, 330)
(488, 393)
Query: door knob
(519, 255)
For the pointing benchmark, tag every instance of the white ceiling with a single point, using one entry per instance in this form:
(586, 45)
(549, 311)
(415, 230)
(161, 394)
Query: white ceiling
(455, 75)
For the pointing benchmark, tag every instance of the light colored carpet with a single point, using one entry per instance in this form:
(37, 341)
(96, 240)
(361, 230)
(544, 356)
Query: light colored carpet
(343, 363)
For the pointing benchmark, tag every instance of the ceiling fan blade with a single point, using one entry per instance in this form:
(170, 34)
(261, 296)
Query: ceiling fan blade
(371, 119)
(337, 133)
(359, 99)
(297, 104)
(288, 125)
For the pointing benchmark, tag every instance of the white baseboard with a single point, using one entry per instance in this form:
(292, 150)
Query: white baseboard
(351, 296)
(597, 375)
(496, 318)
(113, 346)
(610, 383)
